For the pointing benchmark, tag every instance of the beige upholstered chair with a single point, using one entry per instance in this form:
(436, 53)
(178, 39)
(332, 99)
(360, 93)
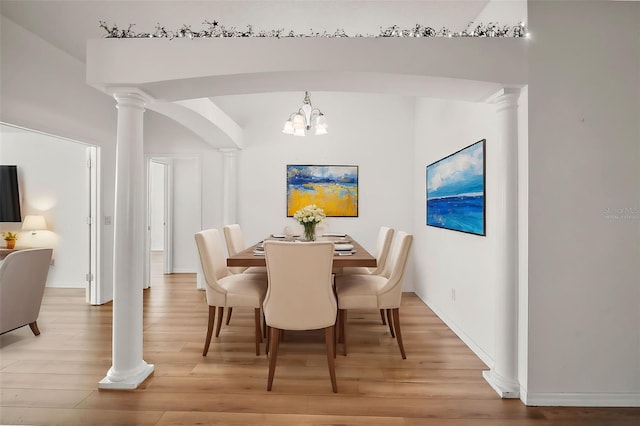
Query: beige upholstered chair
(225, 289)
(293, 230)
(300, 295)
(382, 291)
(23, 275)
(235, 244)
(385, 236)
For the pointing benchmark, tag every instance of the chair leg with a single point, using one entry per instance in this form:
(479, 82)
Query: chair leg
(264, 326)
(343, 326)
(212, 316)
(219, 322)
(34, 328)
(274, 337)
(384, 320)
(335, 333)
(258, 330)
(330, 340)
(396, 325)
(266, 347)
(229, 311)
(390, 322)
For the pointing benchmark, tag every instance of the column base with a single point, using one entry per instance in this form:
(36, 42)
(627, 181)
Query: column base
(506, 388)
(127, 381)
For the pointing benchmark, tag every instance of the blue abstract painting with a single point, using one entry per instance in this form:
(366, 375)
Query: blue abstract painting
(456, 191)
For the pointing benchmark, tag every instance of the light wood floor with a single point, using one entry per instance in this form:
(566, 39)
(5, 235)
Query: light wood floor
(52, 379)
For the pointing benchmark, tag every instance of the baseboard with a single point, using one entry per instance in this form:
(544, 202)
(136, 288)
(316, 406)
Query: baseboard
(480, 353)
(66, 285)
(562, 399)
(183, 271)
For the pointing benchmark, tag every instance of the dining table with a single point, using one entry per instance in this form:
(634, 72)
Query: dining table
(348, 252)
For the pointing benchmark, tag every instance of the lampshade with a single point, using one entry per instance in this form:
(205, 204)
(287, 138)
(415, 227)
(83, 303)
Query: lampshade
(288, 128)
(298, 121)
(34, 223)
(321, 122)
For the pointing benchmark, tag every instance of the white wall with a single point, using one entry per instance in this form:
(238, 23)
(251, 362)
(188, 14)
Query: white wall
(584, 157)
(374, 132)
(57, 190)
(448, 260)
(187, 212)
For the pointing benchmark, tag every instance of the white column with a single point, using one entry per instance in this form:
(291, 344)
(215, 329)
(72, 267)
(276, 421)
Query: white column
(230, 186)
(129, 370)
(503, 376)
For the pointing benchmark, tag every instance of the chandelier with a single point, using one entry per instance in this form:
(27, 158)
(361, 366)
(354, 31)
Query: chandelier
(307, 119)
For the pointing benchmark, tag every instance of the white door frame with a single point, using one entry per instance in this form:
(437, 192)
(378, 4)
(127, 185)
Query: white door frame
(168, 217)
(93, 166)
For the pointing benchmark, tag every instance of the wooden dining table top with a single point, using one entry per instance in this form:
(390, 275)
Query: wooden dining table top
(360, 256)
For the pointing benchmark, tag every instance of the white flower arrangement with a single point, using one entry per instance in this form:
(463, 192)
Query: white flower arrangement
(310, 214)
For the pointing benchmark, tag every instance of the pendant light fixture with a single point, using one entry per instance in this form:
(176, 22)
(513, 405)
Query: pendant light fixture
(307, 119)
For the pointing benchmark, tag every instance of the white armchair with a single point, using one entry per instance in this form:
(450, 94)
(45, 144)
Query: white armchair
(23, 275)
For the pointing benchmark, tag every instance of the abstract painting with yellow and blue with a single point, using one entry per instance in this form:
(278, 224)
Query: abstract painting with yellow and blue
(333, 188)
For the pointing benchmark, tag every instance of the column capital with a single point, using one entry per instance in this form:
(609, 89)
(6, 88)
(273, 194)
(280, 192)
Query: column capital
(229, 152)
(507, 97)
(130, 96)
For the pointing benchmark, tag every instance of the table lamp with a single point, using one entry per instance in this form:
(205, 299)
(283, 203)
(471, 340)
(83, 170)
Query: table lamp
(34, 223)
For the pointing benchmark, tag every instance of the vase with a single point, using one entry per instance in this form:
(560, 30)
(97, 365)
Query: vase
(309, 231)
(11, 243)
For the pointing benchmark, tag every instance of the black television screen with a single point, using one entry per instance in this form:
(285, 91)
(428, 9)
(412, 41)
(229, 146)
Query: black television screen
(9, 194)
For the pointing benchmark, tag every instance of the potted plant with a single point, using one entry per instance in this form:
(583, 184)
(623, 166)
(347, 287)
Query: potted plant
(10, 238)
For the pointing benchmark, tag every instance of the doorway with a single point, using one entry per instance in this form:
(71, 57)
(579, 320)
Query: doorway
(69, 201)
(159, 215)
(174, 213)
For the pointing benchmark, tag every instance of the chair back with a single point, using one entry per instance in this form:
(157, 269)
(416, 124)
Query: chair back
(213, 263)
(23, 275)
(291, 230)
(300, 294)
(385, 237)
(389, 296)
(234, 239)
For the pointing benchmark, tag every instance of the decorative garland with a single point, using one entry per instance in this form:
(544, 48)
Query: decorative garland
(216, 30)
